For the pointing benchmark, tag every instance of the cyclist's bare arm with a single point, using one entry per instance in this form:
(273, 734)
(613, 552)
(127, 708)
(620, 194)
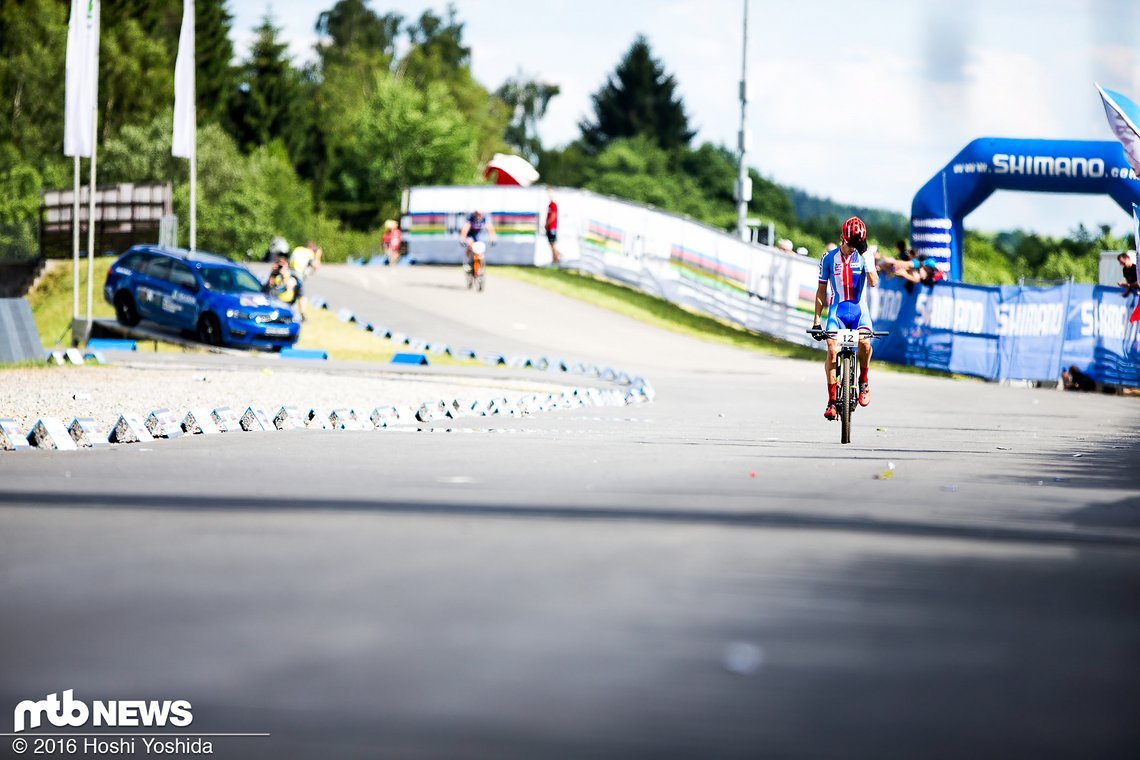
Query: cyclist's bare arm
(463, 233)
(820, 301)
(872, 272)
(490, 231)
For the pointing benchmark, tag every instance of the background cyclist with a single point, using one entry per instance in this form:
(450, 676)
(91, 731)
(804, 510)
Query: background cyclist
(846, 271)
(473, 229)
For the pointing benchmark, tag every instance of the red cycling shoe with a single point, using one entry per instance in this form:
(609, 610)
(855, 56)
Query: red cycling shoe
(864, 394)
(830, 412)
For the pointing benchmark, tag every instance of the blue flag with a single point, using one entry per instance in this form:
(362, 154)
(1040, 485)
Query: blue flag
(1123, 116)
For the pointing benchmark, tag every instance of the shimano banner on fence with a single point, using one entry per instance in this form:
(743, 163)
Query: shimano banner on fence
(988, 164)
(1011, 333)
(1099, 336)
(998, 333)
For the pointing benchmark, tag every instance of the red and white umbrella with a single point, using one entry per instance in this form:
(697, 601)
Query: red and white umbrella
(509, 169)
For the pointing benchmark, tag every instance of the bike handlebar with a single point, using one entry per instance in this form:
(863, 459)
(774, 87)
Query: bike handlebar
(820, 334)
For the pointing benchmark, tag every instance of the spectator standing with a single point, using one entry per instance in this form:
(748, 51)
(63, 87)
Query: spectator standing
(284, 285)
(305, 260)
(1128, 271)
(392, 240)
(552, 226)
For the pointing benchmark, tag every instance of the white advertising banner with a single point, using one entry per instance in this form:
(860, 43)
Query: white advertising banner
(669, 256)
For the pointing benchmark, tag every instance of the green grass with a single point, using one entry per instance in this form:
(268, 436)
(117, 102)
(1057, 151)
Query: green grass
(654, 311)
(323, 331)
(26, 365)
(669, 316)
(51, 302)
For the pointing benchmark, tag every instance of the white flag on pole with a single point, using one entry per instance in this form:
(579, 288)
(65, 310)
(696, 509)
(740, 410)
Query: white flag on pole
(82, 77)
(184, 117)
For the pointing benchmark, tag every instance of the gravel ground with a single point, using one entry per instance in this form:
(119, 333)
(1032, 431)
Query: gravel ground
(106, 392)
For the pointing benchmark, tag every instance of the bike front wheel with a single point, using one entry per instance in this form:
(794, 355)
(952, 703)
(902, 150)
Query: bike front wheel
(847, 395)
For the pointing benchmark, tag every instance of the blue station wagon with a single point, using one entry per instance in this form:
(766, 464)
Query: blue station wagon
(220, 302)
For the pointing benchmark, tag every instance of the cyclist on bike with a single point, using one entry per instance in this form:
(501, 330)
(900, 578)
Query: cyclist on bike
(472, 228)
(845, 269)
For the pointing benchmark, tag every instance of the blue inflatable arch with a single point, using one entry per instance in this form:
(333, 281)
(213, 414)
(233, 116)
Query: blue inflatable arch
(990, 163)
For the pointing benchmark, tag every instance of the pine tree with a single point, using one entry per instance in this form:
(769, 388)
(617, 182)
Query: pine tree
(352, 25)
(215, 75)
(437, 46)
(263, 108)
(638, 99)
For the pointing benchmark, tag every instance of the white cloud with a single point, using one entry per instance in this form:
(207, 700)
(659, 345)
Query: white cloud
(1003, 68)
(1008, 93)
(1117, 66)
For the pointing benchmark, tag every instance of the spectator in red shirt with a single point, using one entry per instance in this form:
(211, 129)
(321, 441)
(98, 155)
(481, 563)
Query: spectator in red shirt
(552, 225)
(392, 240)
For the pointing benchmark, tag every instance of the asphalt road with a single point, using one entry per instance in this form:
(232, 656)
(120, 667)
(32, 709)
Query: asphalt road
(711, 575)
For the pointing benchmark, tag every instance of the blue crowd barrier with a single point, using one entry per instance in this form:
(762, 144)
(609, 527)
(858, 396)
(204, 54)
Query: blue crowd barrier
(112, 344)
(1011, 332)
(304, 353)
(409, 358)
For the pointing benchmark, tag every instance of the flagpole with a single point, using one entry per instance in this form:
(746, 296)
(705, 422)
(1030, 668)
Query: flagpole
(193, 131)
(194, 186)
(184, 140)
(91, 188)
(75, 245)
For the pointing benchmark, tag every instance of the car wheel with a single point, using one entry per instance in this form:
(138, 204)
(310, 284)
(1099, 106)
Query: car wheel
(210, 330)
(125, 311)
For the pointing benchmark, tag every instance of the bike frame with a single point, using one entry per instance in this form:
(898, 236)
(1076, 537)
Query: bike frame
(846, 373)
(475, 267)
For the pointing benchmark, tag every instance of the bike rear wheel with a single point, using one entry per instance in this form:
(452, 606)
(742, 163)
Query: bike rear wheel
(847, 396)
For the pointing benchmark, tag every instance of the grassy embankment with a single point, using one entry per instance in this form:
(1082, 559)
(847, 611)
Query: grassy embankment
(51, 304)
(670, 316)
(322, 330)
(51, 301)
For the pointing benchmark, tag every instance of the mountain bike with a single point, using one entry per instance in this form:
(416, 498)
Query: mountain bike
(476, 265)
(847, 393)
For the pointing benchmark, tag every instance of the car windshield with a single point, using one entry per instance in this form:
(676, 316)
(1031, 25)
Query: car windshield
(230, 280)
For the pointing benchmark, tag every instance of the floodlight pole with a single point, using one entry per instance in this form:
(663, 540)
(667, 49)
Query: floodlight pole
(743, 181)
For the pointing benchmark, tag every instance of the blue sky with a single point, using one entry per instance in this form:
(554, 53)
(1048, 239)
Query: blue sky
(860, 102)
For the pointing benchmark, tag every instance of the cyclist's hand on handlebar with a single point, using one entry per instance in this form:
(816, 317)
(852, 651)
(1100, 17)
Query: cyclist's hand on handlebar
(817, 332)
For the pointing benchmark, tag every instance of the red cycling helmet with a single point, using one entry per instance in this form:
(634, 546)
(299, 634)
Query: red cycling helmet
(854, 233)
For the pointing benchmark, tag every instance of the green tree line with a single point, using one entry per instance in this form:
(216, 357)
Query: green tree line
(324, 149)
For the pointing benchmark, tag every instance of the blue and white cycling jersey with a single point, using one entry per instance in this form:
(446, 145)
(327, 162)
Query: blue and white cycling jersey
(475, 226)
(847, 277)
